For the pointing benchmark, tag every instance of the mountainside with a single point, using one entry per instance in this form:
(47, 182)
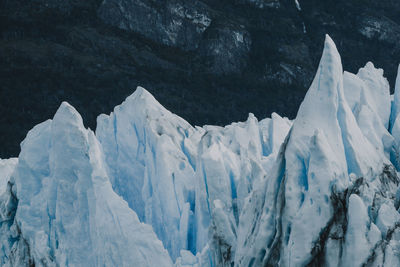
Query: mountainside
(210, 62)
(148, 189)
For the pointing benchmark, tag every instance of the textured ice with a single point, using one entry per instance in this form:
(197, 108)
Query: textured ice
(387, 217)
(357, 244)
(395, 123)
(6, 169)
(151, 154)
(368, 96)
(67, 213)
(184, 180)
(326, 157)
(7, 206)
(149, 189)
(396, 100)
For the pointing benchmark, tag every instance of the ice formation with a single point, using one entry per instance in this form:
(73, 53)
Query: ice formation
(149, 189)
(60, 209)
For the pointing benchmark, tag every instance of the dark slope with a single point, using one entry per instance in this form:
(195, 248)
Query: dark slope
(208, 61)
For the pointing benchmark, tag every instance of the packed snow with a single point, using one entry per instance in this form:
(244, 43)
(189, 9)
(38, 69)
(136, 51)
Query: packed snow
(149, 189)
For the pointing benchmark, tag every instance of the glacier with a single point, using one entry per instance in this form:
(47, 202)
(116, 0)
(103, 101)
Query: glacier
(146, 188)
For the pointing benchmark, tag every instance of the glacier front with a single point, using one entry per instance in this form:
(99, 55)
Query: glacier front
(148, 189)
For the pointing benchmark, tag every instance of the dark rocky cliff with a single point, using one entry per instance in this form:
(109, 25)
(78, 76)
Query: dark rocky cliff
(208, 61)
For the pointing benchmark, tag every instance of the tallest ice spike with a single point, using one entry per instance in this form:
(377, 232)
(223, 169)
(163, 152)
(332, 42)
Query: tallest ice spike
(311, 164)
(316, 131)
(322, 97)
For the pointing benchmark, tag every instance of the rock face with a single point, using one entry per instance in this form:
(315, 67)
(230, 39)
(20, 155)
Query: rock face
(225, 49)
(174, 23)
(382, 29)
(194, 55)
(262, 3)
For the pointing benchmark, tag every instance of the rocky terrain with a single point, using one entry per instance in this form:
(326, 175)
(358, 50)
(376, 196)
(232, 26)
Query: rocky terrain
(208, 61)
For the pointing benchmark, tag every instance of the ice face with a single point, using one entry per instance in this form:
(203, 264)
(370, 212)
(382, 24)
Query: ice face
(377, 91)
(396, 100)
(67, 212)
(6, 169)
(149, 189)
(181, 177)
(395, 124)
(7, 209)
(328, 154)
(150, 154)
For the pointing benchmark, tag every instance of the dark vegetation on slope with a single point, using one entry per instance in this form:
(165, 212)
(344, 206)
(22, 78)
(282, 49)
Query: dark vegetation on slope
(242, 56)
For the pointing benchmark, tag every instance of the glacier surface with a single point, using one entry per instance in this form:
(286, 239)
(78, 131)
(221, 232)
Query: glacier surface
(148, 189)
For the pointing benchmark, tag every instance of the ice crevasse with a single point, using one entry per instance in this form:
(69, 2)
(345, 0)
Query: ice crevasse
(148, 189)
